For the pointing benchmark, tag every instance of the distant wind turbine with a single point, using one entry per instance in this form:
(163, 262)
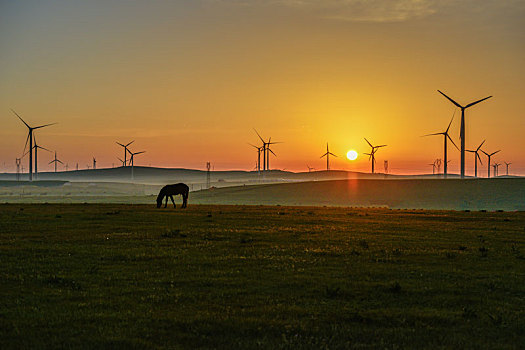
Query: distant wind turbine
(433, 167)
(259, 149)
(126, 150)
(476, 157)
(372, 154)
(445, 136)
(56, 160)
(133, 154)
(30, 139)
(507, 165)
(327, 155)
(462, 130)
(266, 150)
(489, 155)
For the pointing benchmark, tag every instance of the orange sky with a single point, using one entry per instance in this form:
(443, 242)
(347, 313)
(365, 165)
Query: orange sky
(188, 81)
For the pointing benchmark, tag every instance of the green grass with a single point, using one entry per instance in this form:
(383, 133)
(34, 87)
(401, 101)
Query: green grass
(123, 276)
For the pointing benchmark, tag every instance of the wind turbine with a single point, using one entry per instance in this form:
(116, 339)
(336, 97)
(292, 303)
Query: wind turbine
(126, 150)
(433, 167)
(462, 130)
(507, 165)
(497, 168)
(123, 164)
(489, 155)
(372, 153)
(309, 168)
(445, 136)
(30, 138)
(476, 157)
(36, 147)
(258, 166)
(266, 151)
(94, 163)
(327, 155)
(133, 154)
(56, 161)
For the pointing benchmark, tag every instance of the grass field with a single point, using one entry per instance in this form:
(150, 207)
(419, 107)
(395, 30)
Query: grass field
(132, 276)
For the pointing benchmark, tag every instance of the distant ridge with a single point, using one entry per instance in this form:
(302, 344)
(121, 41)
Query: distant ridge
(153, 175)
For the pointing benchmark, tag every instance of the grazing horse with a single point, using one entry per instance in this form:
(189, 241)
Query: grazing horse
(170, 191)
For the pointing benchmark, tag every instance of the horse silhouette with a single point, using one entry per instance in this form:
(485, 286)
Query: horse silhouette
(170, 191)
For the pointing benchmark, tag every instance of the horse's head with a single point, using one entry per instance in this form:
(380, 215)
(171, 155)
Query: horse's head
(159, 201)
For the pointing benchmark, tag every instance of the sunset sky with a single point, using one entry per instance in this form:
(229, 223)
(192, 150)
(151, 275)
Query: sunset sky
(189, 80)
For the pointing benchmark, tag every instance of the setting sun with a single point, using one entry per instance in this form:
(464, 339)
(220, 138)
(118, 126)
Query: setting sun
(352, 155)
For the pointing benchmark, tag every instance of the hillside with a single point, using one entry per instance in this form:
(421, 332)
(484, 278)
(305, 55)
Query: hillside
(473, 194)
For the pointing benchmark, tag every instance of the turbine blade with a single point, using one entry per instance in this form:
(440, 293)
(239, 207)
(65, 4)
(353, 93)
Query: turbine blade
(368, 142)
(485, 153)
(259, 136)
(447, 135)
(139, 153)
(44, 148)
(437, 133)
(19, 117)
(27, 139)
(332, 154)
(480, 145)
(478, 101)
(324, 155)
(493, 153)
(477, 155)
(449, 124)
(120, 144)
(451, 100)
(380, 146)
(43, 126)
(60, 161)
(272, 152)
(130, 143)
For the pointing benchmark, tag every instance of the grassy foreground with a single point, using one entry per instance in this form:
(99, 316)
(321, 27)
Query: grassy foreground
(123, 276)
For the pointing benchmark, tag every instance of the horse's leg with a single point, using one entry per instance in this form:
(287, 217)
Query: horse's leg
(184, 200)
(166, 204)
(172, 201)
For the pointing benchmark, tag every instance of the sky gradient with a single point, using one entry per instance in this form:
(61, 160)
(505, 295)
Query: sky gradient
(189, 80)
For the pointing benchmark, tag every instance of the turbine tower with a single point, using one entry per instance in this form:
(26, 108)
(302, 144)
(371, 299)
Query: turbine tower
(445, 136)
(489, 155)
(462, 130)
(30, 138)
(372, 153)
(94, 163)
(507, 165)
(126, 150)
(476, 157)
(327, 155)
(56, 161)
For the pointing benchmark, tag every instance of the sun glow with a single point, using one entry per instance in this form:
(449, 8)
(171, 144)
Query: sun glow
(352, 155)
